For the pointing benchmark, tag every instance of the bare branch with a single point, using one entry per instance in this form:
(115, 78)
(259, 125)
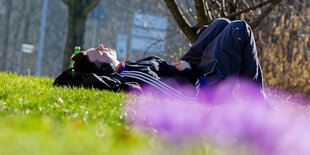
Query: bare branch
(223, 7)
(89, 6)
(187, 28)
(232, 6)
(66, 1)
(201, 13)
(261, 17)
(173, 54)
(231, 16)
(208, 11)
(245, 3)
(190, 10)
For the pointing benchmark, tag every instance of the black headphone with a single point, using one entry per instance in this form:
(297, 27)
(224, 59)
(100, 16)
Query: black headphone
(107, 69)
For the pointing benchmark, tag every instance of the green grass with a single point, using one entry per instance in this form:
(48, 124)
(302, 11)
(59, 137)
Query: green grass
(38, 118)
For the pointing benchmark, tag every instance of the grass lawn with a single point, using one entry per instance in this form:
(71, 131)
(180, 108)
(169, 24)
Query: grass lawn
(38, 118)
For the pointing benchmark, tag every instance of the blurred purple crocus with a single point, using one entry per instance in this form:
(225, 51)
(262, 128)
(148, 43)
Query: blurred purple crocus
(238, 117)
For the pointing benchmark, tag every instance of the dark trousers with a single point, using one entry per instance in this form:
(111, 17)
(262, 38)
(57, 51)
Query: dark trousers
(224, 49)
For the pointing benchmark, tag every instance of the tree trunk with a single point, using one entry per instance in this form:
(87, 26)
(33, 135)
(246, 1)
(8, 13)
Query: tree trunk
(78, 11)
(7, 32)
(75, 35)
(21, 35)
(205, 14)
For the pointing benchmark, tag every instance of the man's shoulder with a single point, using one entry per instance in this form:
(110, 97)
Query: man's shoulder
(150, 58)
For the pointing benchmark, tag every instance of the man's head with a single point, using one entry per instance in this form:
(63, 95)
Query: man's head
(100, 60)
(108, 55)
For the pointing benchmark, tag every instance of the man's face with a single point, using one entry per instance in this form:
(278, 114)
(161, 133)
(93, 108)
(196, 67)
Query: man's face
(105, 54)
(92, 60)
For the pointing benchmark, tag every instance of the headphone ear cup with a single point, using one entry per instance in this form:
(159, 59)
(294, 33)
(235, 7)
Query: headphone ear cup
(107, 69)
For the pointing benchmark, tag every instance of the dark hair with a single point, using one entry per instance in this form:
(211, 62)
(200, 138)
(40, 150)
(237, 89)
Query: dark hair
(83, 63)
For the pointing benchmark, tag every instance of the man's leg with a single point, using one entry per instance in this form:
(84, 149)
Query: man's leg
(235, 53)
(205, 36)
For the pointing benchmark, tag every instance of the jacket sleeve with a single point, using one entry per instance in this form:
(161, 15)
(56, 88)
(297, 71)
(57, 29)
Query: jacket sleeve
(110, 83)
(70, 78)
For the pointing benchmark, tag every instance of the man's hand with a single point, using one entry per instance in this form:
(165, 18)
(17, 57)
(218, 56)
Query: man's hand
(181, 65)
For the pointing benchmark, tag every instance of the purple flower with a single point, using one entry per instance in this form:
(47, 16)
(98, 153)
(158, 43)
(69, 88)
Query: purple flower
(239, 116)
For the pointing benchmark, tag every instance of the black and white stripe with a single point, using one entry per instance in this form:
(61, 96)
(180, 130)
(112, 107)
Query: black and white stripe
(197, 84)
(163, 87)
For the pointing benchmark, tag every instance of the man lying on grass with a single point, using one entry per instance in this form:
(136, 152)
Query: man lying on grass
(222, 49)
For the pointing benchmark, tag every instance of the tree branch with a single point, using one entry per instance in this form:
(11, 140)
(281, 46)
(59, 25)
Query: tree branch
(232, 6)
(66, 2)
(231, 16)
(208, 11)
(261, 17)
(190, 10)
(223, 8)
(201, 12)
(181, 20)
(91, 4)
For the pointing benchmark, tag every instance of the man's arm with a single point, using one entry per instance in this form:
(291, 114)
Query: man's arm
(185, 70)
